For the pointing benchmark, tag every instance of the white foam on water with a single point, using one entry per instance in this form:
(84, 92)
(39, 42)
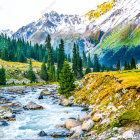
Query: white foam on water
(31, 122)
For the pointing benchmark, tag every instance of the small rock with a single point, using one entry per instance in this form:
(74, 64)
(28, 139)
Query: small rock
(66, 102)
(128, 134)
(85, 109)
(87, 125)
(45, 92)
(42, 133)
(40, 97)
(61, 134)
(97, 117)
(71, 123)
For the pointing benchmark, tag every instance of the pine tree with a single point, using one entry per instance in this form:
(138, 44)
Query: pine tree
(61, 57)
(119, 65)
(79, 64)
(107, 69)
(43, 72)
(50, 60)
(96, 67)
(2, 76)
(133, 64)
(129, 66)
(30, 74)
(66, 81)
(89, 63)
(69, 58)
(125, 66)
(103, 68)
(84, 60)
(74, 61)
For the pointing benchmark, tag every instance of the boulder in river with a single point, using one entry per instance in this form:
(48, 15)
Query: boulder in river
(32, 106)
(40, 97)
(61, 134)
(42, 133)
(66, 102)
(45, 93)
(71, 123)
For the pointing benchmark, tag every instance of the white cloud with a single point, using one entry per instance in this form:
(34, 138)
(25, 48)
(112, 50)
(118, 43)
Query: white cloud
(17, 13)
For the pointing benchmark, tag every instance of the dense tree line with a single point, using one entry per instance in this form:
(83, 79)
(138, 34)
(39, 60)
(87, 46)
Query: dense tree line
(20, 51)
(55, 63)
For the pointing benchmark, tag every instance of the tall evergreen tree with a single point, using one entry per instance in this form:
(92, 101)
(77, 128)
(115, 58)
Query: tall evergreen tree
(74, 60)
(119, 65)
(125, 66)
(30, 74)
(50, 60)
(133, 64)
(103, 68)
(96, 67)
(2, 76)
(61, 57)
(79, 64)
(89, 63)
(84, 60)
(67, 80)
(43, 72)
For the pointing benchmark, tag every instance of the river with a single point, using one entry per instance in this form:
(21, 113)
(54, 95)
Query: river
(30, 122)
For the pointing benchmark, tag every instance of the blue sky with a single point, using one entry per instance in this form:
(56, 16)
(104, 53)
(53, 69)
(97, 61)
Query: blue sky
(17, 13)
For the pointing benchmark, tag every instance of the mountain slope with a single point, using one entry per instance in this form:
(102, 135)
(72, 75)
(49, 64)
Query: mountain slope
(105, 36)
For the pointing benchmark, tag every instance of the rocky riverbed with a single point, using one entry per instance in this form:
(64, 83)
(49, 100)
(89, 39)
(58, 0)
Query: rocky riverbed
(39, 112)
(31, 112)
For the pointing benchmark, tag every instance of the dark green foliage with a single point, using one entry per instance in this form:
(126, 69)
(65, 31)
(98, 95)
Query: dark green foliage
(50, 60)
(79, 64)
(119, 65)
(61, 57)
(66, 81)
(107, 69)
(30, 74)
(84, 59)
(103, 68)
(125, 66)
(133, 64)
(69, 58)
(19, 50)
(2, 76)
(88, 70)
(43, 72)
(89, 63)
(96, 67)
(74, 60)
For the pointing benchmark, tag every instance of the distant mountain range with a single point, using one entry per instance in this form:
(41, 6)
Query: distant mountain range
(113, 36)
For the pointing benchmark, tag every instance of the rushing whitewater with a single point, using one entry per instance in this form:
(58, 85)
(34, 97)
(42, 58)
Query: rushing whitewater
(30, 122)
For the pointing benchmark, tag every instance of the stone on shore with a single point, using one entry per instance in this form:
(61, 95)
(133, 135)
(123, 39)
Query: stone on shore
(87, 125)
(71, 123)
